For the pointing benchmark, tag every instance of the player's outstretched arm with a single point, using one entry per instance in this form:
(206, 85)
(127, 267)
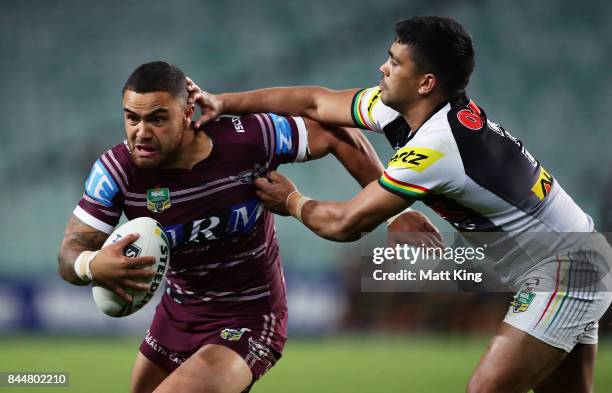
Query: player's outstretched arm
(349, 146)
(81, 260)
(338, 221)
(318, 103)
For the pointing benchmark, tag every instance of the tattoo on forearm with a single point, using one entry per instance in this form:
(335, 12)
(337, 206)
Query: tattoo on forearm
(78, 238)
(89, 240)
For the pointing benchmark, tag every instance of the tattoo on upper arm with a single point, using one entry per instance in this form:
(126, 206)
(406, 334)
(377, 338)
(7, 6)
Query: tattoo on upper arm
(80, 234)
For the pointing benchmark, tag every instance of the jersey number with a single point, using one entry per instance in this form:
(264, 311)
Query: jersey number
(471, 117)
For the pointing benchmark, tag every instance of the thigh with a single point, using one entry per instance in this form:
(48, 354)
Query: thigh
(213, 368)
(177, 335)
(574, 374)
(514, 362)
(146, 375)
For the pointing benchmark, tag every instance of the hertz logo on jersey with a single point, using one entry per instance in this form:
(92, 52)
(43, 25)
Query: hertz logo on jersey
(415, 158)
(543, 185)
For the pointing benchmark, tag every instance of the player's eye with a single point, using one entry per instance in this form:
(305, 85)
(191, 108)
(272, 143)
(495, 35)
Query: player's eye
(159, 120)
(132, 119)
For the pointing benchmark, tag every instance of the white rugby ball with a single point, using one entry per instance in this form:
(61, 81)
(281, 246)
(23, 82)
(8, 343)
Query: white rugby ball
(152, 242)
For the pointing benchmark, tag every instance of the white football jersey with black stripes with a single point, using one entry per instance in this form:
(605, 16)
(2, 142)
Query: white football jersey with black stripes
(479, 178)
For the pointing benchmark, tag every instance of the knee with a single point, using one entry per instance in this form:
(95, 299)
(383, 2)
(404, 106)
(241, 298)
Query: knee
(141, 386)
(212, 387)
(146, 375)
(218, 382)
(144, 384)
(215, 383)
(222, 373)
(490, 384)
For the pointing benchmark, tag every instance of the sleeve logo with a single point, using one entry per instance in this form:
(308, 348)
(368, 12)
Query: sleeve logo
(282, 130)
(543, 185)
(471, 117)
(372, 102)
(100, 185)
(414, 158)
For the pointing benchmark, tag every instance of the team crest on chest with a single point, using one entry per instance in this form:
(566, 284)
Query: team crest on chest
(158, 199)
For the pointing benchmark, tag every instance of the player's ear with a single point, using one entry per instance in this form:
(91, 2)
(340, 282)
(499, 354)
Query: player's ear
(427, 84)
(189, 111)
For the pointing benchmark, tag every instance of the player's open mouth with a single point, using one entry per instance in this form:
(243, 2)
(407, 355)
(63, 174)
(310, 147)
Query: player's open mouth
(146, 150)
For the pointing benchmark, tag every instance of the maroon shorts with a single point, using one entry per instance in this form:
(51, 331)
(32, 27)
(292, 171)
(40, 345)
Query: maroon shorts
(176, 334)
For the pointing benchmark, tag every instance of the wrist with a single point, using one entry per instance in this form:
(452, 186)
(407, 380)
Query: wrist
(391, 219)
(82, 265)
(295, 203)
(222, 103)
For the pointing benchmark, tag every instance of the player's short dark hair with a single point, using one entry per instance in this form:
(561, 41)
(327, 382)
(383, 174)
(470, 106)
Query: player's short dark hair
(440, 46)
(157, 76)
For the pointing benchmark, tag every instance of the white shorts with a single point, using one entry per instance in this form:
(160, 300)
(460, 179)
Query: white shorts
(562, 299)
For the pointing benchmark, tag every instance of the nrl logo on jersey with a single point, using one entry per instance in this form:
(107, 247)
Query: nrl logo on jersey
(233, 334)
(524, 297)
(523, 300)
(158, 199)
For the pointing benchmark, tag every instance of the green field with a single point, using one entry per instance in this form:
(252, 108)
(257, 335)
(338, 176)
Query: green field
(435, 364)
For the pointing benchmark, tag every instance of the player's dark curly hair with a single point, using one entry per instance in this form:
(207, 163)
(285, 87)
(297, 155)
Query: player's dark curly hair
(157, 76)
(440, 46)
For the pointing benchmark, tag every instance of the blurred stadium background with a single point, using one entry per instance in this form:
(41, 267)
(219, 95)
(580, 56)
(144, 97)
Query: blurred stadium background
(541, 72)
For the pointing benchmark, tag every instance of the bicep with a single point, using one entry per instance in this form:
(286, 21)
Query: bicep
(321, 139)
(334, 106)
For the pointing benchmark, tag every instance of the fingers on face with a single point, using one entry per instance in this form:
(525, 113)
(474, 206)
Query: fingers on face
(191, 84)
(194, 96)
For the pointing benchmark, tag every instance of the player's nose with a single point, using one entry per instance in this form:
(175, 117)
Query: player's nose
(384, 68)
(143, 132)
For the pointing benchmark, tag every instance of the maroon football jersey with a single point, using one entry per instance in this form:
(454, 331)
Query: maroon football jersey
(225, 258)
